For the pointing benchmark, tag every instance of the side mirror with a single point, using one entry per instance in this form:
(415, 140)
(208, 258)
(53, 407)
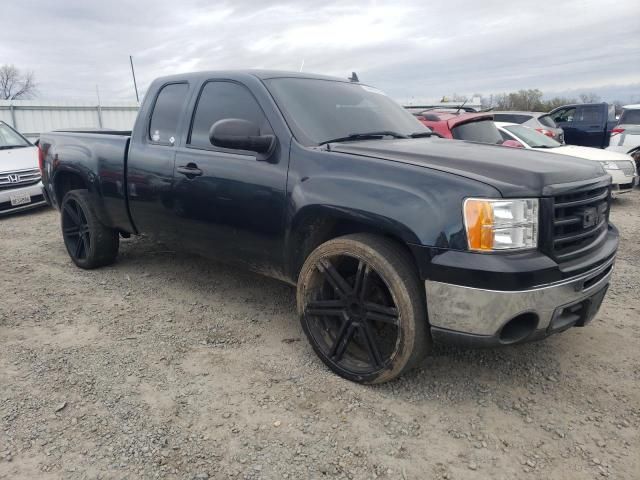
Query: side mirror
(512, 144)
(238, 134)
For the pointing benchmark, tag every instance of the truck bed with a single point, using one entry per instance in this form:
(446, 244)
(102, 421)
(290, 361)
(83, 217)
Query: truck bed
(95, 131)
(88, 153)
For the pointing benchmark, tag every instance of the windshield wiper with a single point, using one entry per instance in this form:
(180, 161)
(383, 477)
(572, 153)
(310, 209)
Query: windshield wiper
(425, 134)
(365, 136)
(542, 146)
(9, 147)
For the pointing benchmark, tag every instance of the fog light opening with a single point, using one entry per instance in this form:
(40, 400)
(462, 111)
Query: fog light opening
(518, 328)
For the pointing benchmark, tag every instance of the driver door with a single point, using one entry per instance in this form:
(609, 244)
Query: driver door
(228, 204)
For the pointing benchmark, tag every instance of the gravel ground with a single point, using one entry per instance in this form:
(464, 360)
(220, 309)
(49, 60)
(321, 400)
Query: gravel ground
(168, 366)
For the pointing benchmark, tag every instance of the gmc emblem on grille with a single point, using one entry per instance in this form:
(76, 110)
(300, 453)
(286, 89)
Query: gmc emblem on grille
(14, 178)
(590, 217)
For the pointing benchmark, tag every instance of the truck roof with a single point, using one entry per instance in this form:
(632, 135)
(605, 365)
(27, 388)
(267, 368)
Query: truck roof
(258, 73)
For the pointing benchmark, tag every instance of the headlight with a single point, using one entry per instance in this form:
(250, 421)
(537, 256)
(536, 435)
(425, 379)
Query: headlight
(501, 224)
(610, 165)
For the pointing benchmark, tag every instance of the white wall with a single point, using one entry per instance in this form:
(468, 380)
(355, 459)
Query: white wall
(33, 117)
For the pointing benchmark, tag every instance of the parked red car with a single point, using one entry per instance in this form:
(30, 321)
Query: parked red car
(471, 126)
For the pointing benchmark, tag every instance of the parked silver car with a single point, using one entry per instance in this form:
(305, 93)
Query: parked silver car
(20, 184)
(539, 121)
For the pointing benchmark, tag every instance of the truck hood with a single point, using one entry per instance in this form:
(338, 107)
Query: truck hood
(14, 159)
(514, 172)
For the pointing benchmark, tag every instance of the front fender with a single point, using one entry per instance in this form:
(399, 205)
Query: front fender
(416, 204)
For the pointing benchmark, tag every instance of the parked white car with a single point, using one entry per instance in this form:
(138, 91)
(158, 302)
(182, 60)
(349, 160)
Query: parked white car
(620, 166)
(625, 137)
(20, 184)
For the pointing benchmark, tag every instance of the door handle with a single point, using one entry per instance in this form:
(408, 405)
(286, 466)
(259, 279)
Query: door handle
(190, 170)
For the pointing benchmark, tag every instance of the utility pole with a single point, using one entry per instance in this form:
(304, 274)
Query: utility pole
(133, 72)
(99, 106)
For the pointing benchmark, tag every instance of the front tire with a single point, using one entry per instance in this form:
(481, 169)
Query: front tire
(362, 308)
(89, 243)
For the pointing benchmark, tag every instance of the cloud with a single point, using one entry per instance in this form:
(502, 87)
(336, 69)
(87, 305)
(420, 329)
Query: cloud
(410, 48)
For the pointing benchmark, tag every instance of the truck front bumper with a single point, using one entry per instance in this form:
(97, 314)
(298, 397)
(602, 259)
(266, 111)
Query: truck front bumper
(479, 317)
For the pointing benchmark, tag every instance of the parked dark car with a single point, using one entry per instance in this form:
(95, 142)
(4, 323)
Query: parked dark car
(539, 121)
(586, 124)
(331, 186)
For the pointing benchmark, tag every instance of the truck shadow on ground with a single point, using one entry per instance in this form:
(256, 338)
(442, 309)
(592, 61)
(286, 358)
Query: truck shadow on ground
(456, 373)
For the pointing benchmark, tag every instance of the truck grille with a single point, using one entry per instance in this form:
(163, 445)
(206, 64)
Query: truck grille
(19, 178)
(580, 221)
(626, 167)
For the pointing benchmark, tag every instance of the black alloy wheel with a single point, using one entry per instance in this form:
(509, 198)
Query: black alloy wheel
(89, 243)
(75, 230)
(361, 309)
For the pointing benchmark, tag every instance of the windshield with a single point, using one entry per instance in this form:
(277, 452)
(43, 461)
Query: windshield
(532, 138)
(9, 138)
(481, 131)
(321, 110)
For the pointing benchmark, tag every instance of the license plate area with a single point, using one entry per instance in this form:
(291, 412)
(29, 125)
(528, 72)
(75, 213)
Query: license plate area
(577, 314)
(19, 199)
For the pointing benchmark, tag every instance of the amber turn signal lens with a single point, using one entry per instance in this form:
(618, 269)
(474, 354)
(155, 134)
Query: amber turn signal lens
(479, 222)
(501, 224)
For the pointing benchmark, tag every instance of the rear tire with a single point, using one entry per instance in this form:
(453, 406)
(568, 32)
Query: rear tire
(89, 243)
(362, 308)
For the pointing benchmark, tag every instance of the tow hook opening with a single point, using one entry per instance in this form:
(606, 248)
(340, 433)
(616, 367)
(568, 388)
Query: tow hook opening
(518, 328)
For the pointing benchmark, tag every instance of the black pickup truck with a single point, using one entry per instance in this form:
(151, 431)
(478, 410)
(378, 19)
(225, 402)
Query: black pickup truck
(395, 238)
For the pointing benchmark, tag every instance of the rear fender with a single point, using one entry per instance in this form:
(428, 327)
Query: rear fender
(69, 177)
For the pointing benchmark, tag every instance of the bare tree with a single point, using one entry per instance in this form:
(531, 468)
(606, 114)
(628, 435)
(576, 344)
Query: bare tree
(589, 97)
(16, 85)
(555, 102)
(527, 100)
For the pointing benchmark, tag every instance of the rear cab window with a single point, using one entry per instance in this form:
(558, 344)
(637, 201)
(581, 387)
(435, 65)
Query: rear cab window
(166, 114)
(481, 131)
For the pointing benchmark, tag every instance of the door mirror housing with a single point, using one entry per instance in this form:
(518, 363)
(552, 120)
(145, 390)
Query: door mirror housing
(512, 144)
(239, 134)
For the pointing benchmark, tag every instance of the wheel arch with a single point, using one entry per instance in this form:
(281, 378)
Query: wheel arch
(317, 224)
(67, 180)
(70, 179)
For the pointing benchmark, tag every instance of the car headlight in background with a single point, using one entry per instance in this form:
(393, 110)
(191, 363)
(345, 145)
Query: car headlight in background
(610, 165)
(501, 224)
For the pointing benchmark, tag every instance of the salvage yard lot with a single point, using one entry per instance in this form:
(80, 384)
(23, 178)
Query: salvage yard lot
(167, 365)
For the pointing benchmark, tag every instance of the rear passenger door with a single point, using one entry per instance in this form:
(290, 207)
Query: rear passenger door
(229, 204)
(151, 161)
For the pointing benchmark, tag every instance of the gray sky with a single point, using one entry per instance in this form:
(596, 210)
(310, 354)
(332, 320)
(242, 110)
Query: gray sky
(412, 49)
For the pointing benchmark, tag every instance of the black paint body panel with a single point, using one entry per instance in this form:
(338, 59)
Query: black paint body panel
(259, 213)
